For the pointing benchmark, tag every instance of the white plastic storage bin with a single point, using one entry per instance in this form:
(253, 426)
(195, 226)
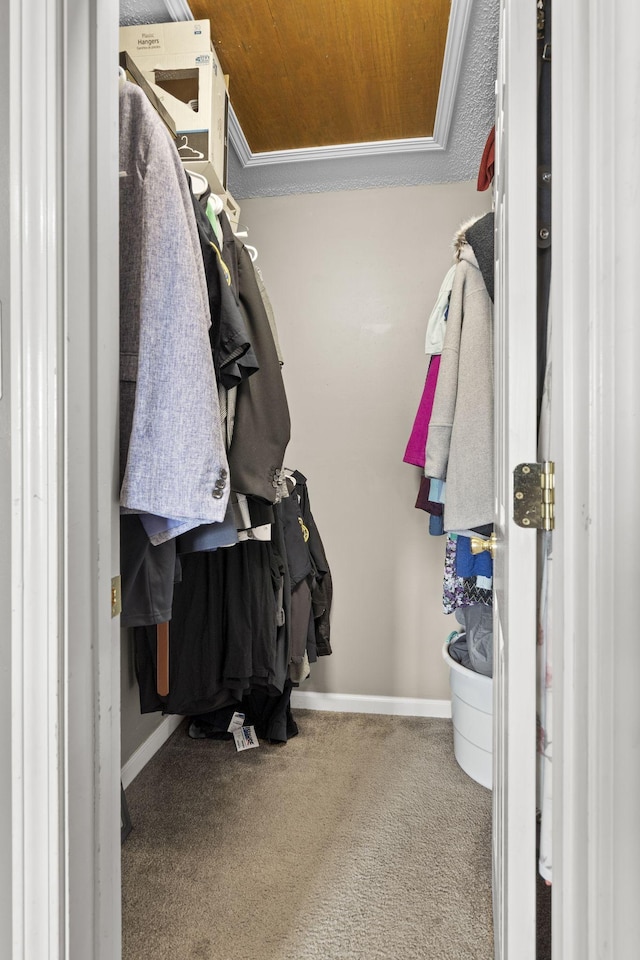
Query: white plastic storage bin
(472, 714)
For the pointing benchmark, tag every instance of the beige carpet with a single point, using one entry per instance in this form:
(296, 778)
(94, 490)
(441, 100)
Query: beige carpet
(360, 839)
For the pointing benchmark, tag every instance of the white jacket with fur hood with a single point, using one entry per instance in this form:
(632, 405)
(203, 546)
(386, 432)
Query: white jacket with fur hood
(460, 442)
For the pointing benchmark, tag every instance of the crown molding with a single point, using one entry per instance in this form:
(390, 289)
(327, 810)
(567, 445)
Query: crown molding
(178, 9)
(249, 159)
(453, 55)
(451, 67)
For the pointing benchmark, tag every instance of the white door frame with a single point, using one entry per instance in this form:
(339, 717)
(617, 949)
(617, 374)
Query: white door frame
(6, 838)
(595, 417)
(64, 881)
(65, 873)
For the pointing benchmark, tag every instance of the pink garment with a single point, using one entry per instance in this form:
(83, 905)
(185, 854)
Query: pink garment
(418, 439)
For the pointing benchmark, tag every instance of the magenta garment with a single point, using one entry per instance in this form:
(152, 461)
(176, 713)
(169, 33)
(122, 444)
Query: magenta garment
(418, 439)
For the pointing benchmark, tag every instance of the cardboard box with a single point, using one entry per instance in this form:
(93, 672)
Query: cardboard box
(179, 64)
(232, 210)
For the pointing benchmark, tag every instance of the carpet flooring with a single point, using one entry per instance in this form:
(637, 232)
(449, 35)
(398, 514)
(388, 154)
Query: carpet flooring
(360, 839)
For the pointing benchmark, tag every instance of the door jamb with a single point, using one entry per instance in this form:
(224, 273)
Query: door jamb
(65, 879)
(596, 398)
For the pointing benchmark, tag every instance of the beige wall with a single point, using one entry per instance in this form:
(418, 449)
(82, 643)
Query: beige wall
(353, 277)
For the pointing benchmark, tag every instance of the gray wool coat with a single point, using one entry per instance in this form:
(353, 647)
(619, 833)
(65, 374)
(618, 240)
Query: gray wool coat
(172, 455)
(460, 442)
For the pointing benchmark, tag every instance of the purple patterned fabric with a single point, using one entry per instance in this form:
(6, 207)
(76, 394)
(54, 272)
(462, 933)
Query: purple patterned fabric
(453, 585)
(459, 591)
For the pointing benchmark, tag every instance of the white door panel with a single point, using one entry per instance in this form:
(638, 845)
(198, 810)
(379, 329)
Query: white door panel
(514, 862)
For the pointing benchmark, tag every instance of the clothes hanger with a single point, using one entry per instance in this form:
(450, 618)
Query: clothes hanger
(162, 659)
(199, 184)
(216, 203)
(242, 232)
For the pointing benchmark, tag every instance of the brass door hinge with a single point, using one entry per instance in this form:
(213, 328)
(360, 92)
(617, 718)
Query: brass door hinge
(116, 596)
(534, 495)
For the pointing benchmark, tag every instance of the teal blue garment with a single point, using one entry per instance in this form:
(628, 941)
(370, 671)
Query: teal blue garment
(436, 525)
(437, 490)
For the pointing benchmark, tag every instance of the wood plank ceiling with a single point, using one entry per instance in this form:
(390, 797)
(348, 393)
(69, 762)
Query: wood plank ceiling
(310, 73)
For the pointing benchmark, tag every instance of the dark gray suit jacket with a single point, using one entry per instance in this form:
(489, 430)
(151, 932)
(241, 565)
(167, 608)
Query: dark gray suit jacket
(262, 426)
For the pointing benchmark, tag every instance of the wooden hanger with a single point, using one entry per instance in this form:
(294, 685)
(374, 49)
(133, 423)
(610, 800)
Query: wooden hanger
(162, 659)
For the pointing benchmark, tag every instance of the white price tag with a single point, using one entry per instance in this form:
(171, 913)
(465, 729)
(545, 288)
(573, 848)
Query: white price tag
(245, 738)
(237, 721)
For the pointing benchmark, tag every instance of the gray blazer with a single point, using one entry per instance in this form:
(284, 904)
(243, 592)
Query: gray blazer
(172, 455)
(460, 442)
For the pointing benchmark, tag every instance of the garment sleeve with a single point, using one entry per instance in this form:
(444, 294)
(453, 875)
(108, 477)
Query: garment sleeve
(444, 402)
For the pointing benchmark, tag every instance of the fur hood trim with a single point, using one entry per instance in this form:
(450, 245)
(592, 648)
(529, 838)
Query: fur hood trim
(460, 239)
(462, 249)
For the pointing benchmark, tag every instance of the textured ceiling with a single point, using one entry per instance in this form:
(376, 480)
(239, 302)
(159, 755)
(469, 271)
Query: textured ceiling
(152, 11)
(473, 116)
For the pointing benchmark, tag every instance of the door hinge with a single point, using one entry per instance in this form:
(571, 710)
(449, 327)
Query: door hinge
(534, 495)
(116, 596)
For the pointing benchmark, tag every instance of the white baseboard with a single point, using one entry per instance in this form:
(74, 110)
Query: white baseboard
(138, 760)
(357, 703)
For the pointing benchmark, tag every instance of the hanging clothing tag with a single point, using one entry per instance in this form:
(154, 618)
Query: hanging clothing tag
(236, 722)
(245, 738)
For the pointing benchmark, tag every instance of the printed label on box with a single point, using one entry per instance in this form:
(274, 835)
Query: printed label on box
(148, 41)
(193, 146)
